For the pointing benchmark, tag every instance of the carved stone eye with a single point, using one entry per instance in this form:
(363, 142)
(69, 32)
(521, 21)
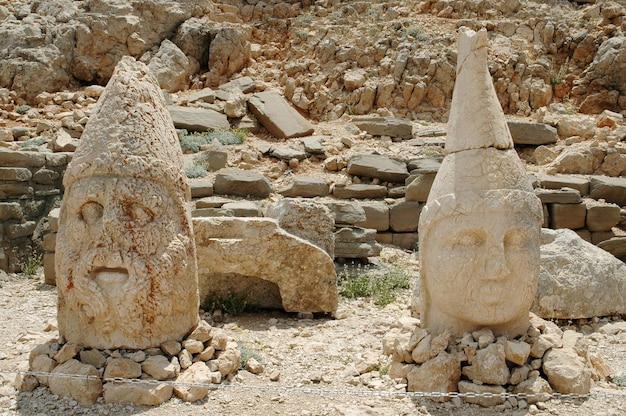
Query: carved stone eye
(469, 239)
(514, 238)
(139, 213)
(91, 212)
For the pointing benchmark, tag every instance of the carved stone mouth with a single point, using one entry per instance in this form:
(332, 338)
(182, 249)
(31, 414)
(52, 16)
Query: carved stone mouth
(106, 275)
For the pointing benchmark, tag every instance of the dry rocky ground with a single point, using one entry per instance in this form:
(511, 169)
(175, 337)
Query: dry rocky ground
(311, 366)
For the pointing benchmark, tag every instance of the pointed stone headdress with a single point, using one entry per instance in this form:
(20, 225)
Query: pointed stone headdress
(481, 170)
(130, 133)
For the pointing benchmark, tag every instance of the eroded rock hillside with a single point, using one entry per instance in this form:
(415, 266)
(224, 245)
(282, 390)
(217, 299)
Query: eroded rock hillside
(330, 57)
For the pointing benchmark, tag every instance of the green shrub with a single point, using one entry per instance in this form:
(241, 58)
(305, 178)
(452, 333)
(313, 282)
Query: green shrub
(248, 352)
(233, 305)
(31, 265)
(22, 109)
(34, 142)
(381, 286)
(195, 171)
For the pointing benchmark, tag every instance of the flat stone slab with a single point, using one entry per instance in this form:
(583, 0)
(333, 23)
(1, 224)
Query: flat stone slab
(212, 202)
(536, 134)
(243, 208)
(608, 188)
(232, 181)
(356, 243)
(581, 184)
(313, 145)
(360, 191)
(278, 116)
(616, 246)
(384, 126)
(198, 119)
(346, 213)
(558, 196)
(306, 187)
(378, 166)
(424, 165)
(255, 248)
(287, 153)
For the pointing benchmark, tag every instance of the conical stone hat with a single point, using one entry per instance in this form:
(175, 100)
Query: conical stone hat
(130, 133)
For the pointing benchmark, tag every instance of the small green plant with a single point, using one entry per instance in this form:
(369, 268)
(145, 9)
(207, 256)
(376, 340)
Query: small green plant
(619, 380)
(194, 141)
(31, 265)
(416, 32)
(22, 109)
(34, 142)
(195, 171)
(303, 34)
(380, 285)
(305, 19)
(233, 304)
(556, 77)
(248, 352)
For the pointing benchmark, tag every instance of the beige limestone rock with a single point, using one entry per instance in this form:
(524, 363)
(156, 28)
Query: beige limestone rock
(516, 352)
(202, 332)
(125, 266)
(44, 364)
(160, 368)
(536, 388)
(489, 366)
(146, 394)
(228, 361)
(197, 373)
(122, 368)
(441, 374)
(67, 351)
(479, 231)
(567, 372)
(85, 390)
(255, 247)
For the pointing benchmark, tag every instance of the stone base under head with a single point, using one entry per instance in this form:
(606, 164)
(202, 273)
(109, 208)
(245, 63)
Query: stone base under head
(535, 365)
(142, 377)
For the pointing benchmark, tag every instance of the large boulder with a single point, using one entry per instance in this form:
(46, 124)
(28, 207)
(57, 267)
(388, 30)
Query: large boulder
(171, 67)
(234, 254)
(574, 276)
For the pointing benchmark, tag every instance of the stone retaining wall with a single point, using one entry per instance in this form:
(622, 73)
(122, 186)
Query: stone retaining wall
(30, 186)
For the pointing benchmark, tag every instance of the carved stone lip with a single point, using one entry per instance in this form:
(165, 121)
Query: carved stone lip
(110, 275)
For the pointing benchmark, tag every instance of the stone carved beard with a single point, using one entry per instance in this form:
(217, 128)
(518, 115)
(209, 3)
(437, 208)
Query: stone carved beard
(127, 265)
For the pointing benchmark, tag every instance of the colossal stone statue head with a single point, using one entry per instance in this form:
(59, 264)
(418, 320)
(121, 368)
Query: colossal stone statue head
(126, 258)
(479, 231)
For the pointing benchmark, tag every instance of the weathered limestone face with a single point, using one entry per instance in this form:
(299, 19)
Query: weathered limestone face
(480, 229)
(126, 259)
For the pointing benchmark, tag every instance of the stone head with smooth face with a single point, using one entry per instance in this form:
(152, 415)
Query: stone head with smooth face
(479, 231)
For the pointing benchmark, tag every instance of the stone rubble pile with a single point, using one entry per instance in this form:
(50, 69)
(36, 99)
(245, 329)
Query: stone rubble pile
(206, 356)
(538, 363)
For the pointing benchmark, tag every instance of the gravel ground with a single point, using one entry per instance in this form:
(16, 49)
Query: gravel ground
(309, 364)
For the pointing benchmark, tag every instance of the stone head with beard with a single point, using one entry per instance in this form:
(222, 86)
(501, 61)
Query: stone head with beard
(125, 257)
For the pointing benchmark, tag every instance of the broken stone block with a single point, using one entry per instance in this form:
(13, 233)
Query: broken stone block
(306, 187)
(85, 390)
(240, 248)
(308, 220)
(145, 394)
(356, 243)
(233, 181)
(278, 116)
(360, 191)
(441, 374)
(198, 119)
(384, 126)
(377, 166)
(570, 216)
(535, 134)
